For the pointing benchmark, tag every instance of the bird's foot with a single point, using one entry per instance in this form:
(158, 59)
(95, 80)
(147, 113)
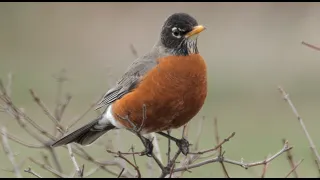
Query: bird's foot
(183, 145)
(148, 147)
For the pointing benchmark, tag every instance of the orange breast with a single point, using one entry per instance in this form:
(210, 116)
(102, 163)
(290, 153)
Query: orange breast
(173, 92)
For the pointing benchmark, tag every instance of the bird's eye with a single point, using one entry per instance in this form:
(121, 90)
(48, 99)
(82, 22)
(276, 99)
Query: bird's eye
(176, 32)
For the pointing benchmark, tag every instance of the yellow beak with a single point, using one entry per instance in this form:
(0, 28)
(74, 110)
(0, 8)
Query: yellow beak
(196, 30)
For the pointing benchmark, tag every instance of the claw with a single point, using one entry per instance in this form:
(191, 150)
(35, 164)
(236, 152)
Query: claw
(183, 145)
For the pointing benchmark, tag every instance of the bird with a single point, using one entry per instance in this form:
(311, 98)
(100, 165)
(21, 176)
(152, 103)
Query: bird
(160, 91)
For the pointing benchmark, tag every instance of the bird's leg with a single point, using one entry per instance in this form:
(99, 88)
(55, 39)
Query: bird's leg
(182, 143)
(147, 144)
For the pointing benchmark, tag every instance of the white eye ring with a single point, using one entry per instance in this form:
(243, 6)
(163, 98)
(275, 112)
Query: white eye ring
(176, 32)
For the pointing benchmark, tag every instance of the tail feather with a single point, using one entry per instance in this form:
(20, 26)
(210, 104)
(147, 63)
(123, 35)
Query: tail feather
(84, 135)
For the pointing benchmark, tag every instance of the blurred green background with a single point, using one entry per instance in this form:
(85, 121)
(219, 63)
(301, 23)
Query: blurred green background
(250, 49)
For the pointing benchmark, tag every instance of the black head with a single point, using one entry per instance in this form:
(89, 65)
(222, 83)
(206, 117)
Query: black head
(179, 34)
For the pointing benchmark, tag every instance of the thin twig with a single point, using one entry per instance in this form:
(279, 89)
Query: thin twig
(171, 171)
(45, 109)
(19, 115)
(216, 147)
(45, 159)
(290, 159)
(15, 139)
(124, 153)
(120, 173)
(48, 168)
(19, 166)
(134, 166)
(226, 174)
(76, 120)
(169, 147)
(265, 167)
(294, 168)
(9, 85)
(61, 78)
(311, 46)
(9, 152)
(102, 164)
(55, 158)
(312, 145)
(315, 162)
(63, 107)
(29, 170)
(91, 172)
(191, 158)
(133, 156)
(73, 159)
(241, 164)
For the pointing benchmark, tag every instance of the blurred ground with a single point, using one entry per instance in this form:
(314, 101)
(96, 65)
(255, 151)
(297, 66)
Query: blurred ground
(250, 49)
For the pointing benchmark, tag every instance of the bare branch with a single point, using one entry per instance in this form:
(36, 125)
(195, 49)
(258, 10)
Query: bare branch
(171, 171)
(134, 166)
(102, 164)
(63, 107)
(169, 147)
(61, 78)
(15, 139)
(290, 159)
(76, 120)
(294, 168)
(48, 168)
(265, 167)
(9, 152)
(45, 109)
(20, 116)
(45, 159)
(120, 173)
(91, 172)
(312, 145)
(55, 158)
(19, 165)
(226, 174)
(216, 147)
(311, 46)
(29, 170)
(9, 85)
(315, 162)
(78, 170)
(200, 127)
(242, 164)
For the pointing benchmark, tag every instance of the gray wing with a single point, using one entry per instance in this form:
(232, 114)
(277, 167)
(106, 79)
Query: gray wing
(129, 80)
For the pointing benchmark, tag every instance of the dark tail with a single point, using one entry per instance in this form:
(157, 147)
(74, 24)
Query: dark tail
(85, 135)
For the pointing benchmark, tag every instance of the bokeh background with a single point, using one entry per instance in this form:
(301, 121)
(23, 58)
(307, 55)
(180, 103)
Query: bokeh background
(250, 49)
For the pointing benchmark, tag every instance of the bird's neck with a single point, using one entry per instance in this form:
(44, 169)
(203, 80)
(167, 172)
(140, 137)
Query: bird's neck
(185, 48)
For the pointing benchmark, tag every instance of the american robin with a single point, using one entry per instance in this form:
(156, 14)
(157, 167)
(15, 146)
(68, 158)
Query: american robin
(162, 90)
